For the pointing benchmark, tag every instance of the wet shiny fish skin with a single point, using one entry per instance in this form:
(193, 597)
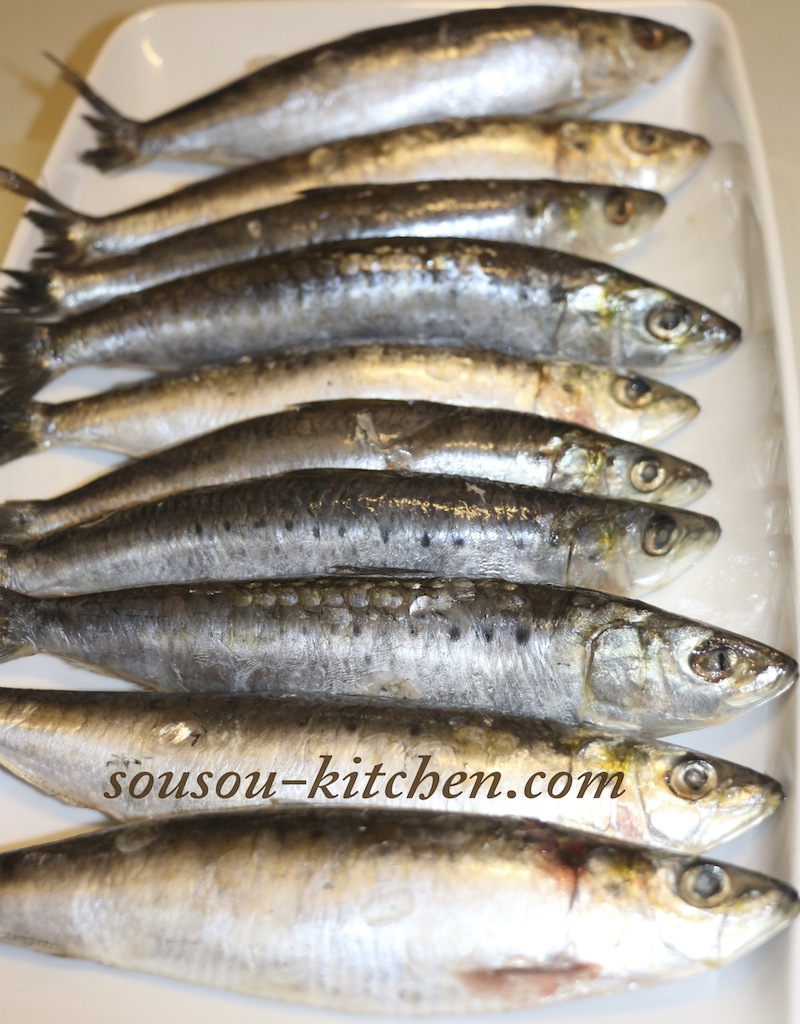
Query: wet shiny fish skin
(610, 153)
(413, 437)
(88, 748)
(508, 297)
(512, 60)
(596, 221)
(384, 911)
(542, 651)
(320, 522)
(153, 414)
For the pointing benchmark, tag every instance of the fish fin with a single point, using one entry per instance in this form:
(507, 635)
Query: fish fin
(16, 520)
(29, 296)
(119, 136)
(20, 432)
(63, 227)
(23, 367)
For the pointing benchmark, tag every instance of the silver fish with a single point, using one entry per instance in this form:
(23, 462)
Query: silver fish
(610, 153)
(597, 221)
(421, 437)
(384, 911)
(542, 651)
(510, 297)
(321, 521)
(146, 416)
(508, 60)
(144, 755)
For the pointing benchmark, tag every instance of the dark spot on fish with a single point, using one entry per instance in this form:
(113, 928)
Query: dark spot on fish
(315, 531)
(356, 629)
(198, 529)
(226, 526)
(385, 535)
(454, 633)
(415, 729)
(522, 635)
(342, 531)
(488, 635)
(557, 294)
(350, 726)
(425, 540)
(458, 542)
(259, 524)
(288, 525)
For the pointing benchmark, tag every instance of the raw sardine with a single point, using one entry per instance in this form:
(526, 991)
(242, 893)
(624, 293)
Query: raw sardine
(597, 221)
(421, 437)
(548, 652)
(326, 521)
(508, 60)
(384, 911)
(508, 297)
(610, 153)
(144, 755)
(153, 414)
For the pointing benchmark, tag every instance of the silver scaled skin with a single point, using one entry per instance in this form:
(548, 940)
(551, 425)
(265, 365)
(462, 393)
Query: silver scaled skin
(145, 755)
(543, 651)
(320, 522)
(419, 437)
(597, 221)
(385, 911)
(153, 414)
(604, 152)
(512, 60)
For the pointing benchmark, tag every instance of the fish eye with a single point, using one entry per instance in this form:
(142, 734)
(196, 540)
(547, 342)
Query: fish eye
(714, 661)
(669, 320)
(660, 535)
(619, 207)
(693, 778)
(648, 475)
(644, 138)
(704, 885)
(647, 35)
(632, 392)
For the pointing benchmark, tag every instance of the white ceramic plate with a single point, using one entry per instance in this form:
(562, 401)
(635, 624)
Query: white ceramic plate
(717, 242)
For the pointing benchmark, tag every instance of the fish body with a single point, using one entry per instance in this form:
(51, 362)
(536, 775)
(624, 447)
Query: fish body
(609, 153)
(574, 656)
(324, 521)
(515, 298)
(597, 221)
(384, 911)
(145, 755)
(414, 437)
(512, 60)
(153, 414)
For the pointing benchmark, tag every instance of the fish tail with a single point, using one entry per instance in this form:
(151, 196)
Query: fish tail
(21, 432)
(29, 295)
(63, 227)
(119, 136)
(24, 367)
(11, 646)
(18, 521)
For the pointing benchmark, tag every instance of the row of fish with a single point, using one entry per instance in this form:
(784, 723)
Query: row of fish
(393, 566)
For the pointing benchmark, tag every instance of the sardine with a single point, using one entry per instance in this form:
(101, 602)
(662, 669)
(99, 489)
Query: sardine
(513, 298)
(149, 415)
(596, 221)
(325, 521)
(610, 153)
(143, 755)
(421, 437)
(542, 651)
(384, 911)
(508, 60)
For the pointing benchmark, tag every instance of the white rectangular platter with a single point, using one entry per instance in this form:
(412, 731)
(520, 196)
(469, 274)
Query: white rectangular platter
(717, 243)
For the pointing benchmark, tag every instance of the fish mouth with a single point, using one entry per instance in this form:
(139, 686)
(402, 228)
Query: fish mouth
(768, 683)
(756, 801)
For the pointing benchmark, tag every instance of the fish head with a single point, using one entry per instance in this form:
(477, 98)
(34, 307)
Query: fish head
(615, 218)
(656, 916)
(692, 801)
(646, 474)
(709, 913)
(661, 673)
(617, 402)
(623, 53)
(649, 156)
(628, 548)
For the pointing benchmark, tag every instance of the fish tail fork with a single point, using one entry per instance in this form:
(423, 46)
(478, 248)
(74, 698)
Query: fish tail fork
(119, 136)
(20, 433)
(23, 368)
(63, 227)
